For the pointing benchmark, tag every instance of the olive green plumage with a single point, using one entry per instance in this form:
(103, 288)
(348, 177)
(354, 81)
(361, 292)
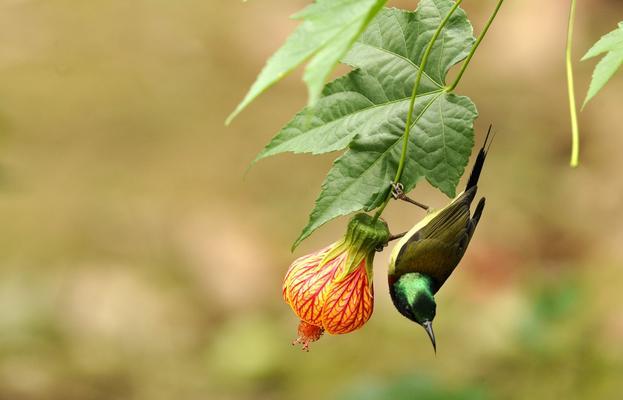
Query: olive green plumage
(435, 246)
(426, 256)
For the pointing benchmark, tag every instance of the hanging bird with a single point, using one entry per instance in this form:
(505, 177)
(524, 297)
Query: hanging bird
(425, 257)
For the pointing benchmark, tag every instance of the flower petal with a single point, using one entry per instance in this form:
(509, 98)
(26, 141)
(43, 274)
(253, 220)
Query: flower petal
(349, 303)
(307, 283)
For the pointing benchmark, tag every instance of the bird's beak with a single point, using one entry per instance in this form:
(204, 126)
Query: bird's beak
(428, 326)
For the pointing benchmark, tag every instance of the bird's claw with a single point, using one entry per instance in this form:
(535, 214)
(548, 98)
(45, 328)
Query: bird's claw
(397, 190)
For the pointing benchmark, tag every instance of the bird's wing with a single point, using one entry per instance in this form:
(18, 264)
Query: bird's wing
(437, 246)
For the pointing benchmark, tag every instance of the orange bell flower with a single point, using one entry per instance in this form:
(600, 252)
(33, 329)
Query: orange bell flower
(331, 289)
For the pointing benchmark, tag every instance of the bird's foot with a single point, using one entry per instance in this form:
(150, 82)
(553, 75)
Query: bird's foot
(398, 193)
(398, 190)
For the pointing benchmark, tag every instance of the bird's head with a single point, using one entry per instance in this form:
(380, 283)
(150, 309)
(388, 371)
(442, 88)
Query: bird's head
(412, 295)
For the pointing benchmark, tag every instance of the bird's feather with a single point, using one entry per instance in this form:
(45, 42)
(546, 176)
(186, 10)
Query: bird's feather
(436, 244)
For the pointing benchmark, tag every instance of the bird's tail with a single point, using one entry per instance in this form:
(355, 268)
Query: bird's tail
(480, 160)
(476, 217)
(478, 211)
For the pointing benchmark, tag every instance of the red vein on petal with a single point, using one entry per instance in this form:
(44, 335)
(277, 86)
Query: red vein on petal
(347, 307)
(308, 295)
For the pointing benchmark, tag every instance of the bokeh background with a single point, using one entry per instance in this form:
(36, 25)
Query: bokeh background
(137, 261)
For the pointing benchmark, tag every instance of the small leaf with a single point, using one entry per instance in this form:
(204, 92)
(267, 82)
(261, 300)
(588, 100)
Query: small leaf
(366, 110)
(612, 44)
(328, 30)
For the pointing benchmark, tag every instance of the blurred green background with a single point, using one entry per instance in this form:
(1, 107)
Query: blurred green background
(137, 261)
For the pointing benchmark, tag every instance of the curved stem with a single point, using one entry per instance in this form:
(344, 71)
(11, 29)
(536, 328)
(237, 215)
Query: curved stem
(575, 132)
(473, 50)
(418, 78)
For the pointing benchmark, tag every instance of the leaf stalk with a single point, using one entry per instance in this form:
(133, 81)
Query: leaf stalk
(475, 47)
(418, 78)
(575, 131)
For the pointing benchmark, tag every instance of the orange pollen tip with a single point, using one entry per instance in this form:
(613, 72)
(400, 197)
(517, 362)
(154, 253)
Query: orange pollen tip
(308, 333)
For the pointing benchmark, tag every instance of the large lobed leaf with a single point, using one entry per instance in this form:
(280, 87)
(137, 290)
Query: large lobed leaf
(366, 111)
(612, 45)
(438, 150)
(328, 30)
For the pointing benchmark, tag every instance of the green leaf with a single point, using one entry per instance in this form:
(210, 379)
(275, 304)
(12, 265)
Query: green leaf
(360, 101)
(327, 32)
(441, 141)
(366, 111)
(612, 45)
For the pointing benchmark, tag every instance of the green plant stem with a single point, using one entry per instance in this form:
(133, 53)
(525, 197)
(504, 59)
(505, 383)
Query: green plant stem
(418, 78)
(575, 132)
(473, 50)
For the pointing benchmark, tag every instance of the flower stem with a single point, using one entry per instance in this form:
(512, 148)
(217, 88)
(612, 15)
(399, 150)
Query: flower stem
(575, 132)
(418, 78)
(473, 50)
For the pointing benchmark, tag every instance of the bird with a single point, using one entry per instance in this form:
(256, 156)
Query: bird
(425, 257)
